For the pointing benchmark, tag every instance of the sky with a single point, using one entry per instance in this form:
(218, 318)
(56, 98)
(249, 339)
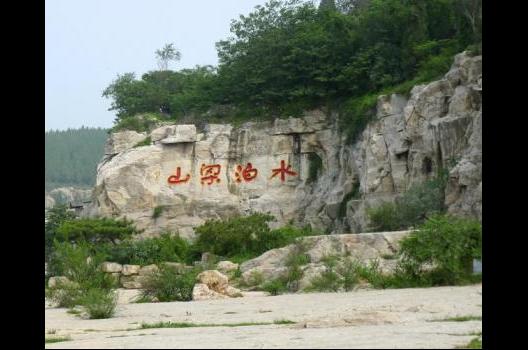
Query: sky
(89, 42)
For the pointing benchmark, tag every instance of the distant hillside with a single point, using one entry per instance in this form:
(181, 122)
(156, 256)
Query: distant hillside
(72, 156)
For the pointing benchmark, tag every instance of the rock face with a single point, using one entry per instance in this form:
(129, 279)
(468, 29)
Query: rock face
(363, 247)
(212, 284)
(301, 169)
(65, 195)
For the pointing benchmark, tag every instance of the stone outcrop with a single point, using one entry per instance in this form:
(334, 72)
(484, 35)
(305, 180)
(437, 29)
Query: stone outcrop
(212, 284)
(363, 247)
(226, 266)
(66, 195)
(214, 171)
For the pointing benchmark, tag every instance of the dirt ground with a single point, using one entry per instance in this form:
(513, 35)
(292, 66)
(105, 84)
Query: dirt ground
(397, 319)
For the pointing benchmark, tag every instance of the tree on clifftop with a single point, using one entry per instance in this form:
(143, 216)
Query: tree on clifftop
(327, 5)
(166, 54)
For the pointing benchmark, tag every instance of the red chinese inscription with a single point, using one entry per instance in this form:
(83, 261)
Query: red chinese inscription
(283, 171)
(210, 173)
(175, 179)
(248, 173)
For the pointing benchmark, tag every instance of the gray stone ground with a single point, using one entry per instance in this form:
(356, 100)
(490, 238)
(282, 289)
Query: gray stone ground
(398, 318)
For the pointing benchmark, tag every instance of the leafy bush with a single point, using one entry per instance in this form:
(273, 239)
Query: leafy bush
(55, 217)
(64, 295)
(96, 230)
(418, 203)
(81, 265)
(275, 287)
(139, 123)
(348, 272)
(447, 243)
(166, 247)
(99, 303)
(157, 211)
(246, 236)
(146, 142)
(168, 285)
(328, 280)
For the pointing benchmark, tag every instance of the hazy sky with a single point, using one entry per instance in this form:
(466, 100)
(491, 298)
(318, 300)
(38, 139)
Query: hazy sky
(88, 42)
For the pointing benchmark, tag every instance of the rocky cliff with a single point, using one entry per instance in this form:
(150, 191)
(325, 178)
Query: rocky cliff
(300, 169)
(66, 195)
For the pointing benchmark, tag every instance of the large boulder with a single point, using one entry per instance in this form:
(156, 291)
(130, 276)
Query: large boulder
(121, 141)
(202, 292)
(130, 270)
(212, 284)
(226, 266)
(111, 267)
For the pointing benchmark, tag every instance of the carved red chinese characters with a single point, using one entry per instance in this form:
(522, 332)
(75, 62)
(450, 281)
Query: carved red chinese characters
(283, 171)
(247, 173)
(210, 173)
(175, 179)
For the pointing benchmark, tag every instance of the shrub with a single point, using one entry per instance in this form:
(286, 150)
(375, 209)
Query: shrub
(348, 271)
(80, 264)
(54, 219)
(139, 123)
(168, 285)
(244, 236)
(65, 295)
(166, 247)
(328, 280)
(157, 211)
(447, 243)
(275, 287)
(95, 230)
(146, 142)
(372, 273)
(418, 203)
(99, 303)
(256, 278)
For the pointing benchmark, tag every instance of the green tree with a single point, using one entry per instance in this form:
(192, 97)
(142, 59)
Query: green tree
(55, 217)
(95, 230)
(166, 54)
(327, 5)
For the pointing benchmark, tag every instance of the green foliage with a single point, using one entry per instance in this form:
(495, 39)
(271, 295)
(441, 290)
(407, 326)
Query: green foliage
(82, 268)
(99, 303)
(157, 211)
(55, 217)
(145, 142)
(166, 54)
(95, 230)
(327, 281)
(336, 275)
(246, 236)
(275, 287)
(80, 264)
(140, 123)
(289, 56)
(348, 272)
(64, 295)
(71, 156)
(166, 247)
(168, 285)
(418, 203)
(447, 243)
